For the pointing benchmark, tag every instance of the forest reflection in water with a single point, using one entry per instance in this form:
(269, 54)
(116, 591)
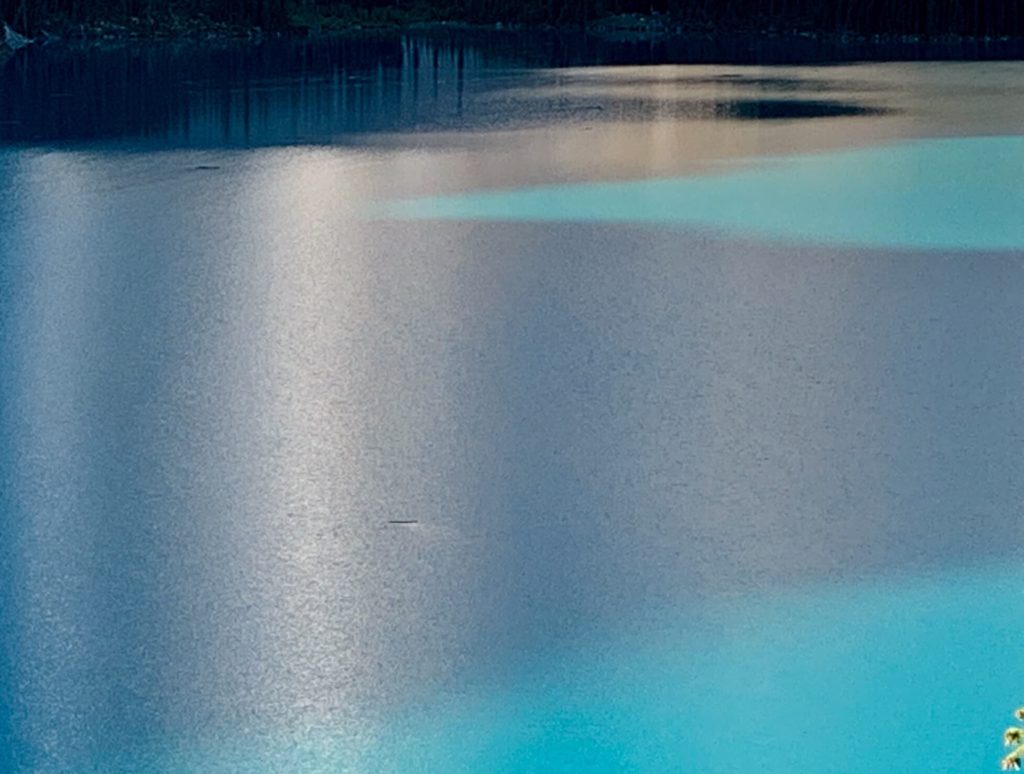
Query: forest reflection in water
(318, 90)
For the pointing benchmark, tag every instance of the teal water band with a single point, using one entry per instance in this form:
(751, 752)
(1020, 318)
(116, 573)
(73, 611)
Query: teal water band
(965, 194)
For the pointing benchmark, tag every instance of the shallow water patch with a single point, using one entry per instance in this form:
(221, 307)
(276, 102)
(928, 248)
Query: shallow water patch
(959, 194)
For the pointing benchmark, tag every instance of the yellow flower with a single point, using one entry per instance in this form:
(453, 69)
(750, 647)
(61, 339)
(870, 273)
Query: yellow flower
(1013, 735)
(1011, 763)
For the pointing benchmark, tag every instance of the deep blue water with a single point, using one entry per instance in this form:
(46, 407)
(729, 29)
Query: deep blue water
(511, 412)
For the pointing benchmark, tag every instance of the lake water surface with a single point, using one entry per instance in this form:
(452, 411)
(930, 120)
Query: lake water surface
(502, 405)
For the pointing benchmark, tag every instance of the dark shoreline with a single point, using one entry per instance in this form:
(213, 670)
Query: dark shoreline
(537, 45)
(625, 29)
(529, 46)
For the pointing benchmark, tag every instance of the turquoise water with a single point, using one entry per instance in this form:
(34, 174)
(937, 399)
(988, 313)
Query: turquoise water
(959, 194)
(878, 676)
(888, 676)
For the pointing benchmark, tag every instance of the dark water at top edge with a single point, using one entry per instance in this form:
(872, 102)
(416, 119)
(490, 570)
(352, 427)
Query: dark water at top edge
(328, 90)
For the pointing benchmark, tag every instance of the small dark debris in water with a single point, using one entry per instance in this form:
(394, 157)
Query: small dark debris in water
(576, 108)
(403, 522)
(205, 167)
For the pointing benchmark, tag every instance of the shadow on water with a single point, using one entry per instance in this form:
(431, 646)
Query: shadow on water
(768, 109)
(322, 90)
